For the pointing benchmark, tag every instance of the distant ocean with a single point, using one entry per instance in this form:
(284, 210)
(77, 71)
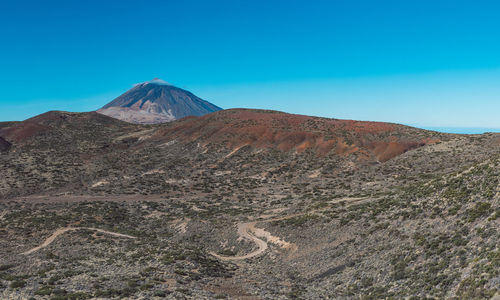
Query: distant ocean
(462, 130)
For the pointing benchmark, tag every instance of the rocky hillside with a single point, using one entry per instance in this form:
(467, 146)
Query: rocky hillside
(246, 204)
(258, 129)
(58, 145)
(156, 101)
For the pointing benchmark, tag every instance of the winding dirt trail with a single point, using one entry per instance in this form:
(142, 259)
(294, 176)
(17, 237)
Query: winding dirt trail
(244, 232)
(60, 231)
(248, 231)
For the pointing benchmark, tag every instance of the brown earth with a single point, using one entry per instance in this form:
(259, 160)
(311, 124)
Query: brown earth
(236, 128)
(259, 129)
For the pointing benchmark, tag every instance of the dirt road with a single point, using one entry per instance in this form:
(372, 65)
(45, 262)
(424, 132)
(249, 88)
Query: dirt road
(249, 232)
(60, 231)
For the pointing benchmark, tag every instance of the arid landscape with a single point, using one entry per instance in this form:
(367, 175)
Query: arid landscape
(246, 204)
(249, 150)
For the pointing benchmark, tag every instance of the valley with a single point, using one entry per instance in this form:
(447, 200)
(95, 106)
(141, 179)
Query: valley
(246, 204)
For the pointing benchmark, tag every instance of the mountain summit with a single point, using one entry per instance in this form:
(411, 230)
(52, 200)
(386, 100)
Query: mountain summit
(156, 101)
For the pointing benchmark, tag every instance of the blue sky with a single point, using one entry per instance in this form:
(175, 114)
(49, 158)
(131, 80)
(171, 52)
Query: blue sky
(424, 63)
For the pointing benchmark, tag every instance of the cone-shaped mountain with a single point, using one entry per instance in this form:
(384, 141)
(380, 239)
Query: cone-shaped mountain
(156, 101)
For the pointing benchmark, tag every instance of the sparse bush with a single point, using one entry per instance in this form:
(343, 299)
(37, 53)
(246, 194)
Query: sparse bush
(18, 284)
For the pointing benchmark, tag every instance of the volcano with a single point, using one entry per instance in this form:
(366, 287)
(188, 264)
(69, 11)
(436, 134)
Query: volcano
(156, 101)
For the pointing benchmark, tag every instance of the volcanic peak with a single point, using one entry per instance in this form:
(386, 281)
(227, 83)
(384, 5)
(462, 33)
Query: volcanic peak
(155, 81)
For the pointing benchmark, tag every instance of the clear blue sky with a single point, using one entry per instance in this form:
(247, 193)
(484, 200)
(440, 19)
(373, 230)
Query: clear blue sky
(426, 63)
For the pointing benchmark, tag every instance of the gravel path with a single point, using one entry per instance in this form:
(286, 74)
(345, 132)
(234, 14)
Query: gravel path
(60, 231)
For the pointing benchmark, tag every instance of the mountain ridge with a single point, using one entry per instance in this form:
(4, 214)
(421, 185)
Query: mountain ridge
(236, 128)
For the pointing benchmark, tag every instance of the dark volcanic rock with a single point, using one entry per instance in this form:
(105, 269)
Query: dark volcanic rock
(156, 101)
(4, 145)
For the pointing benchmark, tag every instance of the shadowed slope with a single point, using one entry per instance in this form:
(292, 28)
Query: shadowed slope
(4, 145)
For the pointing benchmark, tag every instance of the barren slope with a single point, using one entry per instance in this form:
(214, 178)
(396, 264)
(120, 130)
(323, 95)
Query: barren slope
(260, 129)
(325, 209)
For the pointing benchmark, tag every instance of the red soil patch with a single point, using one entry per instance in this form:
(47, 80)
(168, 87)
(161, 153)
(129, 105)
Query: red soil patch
(19, 132)
(22, 131)
(287, 132)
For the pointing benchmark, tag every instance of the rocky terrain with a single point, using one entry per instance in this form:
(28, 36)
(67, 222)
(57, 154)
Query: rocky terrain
(4, 145)
(156, 101)
(246, 204)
